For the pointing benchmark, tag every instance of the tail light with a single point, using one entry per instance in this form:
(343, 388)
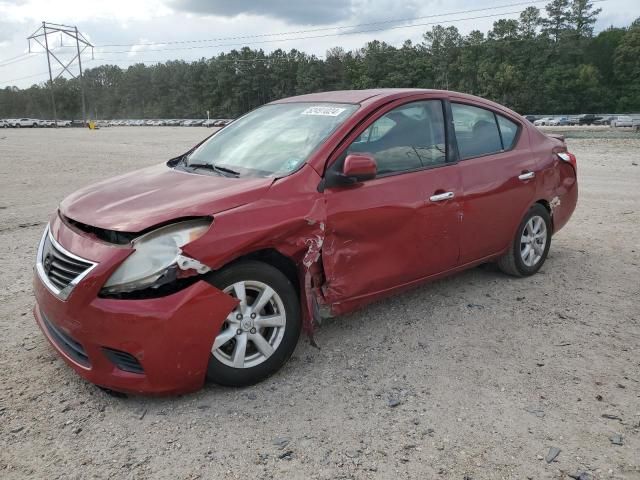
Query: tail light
(569, 158)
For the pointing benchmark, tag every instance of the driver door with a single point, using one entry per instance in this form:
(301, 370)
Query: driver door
(403, 225)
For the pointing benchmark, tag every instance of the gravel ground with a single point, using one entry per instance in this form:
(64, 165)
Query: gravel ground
(476, 376)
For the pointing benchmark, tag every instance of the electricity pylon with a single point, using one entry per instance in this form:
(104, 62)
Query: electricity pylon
(42, 33)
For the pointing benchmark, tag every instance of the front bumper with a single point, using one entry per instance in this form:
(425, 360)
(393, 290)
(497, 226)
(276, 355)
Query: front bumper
(169, 337)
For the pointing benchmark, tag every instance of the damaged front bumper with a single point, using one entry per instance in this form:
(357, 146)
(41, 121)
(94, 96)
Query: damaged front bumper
(154, 346)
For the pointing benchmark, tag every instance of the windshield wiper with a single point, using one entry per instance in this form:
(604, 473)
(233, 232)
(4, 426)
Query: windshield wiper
(223, 170)
(227, 170)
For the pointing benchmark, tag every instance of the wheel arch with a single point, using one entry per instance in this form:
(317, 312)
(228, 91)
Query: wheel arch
(273, 257)
(548, 208)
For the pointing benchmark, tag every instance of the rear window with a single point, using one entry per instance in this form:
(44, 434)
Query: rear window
(482, 132)
(509, 132)
(476, 131)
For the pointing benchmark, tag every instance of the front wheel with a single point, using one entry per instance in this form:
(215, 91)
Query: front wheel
(261, 333)
(529, 248)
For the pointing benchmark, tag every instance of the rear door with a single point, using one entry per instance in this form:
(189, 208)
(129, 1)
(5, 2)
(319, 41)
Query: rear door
(498, 178)
(402, 225)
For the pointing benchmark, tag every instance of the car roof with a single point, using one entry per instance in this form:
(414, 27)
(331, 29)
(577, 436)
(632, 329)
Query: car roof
(355, 96)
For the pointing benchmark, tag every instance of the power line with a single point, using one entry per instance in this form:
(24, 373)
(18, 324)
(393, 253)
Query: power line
(29, 56)
(296, 32)
(13, 59)
(7, 82)
(326, 35)
(315, 36)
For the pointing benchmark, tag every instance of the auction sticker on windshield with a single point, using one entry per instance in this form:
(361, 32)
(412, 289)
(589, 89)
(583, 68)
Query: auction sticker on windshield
(328, 111)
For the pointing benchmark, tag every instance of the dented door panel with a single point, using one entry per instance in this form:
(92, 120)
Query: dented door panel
(385, 232)
(495, 201)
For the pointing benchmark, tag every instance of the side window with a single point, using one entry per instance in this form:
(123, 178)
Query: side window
(508, 130)
(408, 137)
(476, 130)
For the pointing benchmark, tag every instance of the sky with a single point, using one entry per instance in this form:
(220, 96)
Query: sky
(128, 31)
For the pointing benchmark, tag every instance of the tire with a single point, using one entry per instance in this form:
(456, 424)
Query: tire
(279, 340)
(520, 261)
(35, 125)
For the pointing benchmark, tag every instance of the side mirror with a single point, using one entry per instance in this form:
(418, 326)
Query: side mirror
(360, 167)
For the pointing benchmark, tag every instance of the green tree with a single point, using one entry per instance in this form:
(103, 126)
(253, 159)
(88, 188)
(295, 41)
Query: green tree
(627, 68)
(558, 18)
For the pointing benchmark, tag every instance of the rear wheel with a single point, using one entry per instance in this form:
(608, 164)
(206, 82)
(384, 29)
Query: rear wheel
(530, 247)
(260, 335)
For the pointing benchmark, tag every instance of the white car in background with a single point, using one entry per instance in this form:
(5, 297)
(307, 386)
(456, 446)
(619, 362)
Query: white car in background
(543, 121)
(4, 123)
(622, 121)
(26, 122)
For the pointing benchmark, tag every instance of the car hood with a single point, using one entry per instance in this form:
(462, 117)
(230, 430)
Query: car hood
(155, 195)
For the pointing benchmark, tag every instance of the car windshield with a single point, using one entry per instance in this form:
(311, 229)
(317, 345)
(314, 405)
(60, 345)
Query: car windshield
(273, 140)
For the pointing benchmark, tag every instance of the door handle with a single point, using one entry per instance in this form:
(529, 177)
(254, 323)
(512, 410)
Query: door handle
(527, 176)
(441, 196)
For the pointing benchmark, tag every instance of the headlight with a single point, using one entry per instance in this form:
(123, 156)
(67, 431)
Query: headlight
(155, 253)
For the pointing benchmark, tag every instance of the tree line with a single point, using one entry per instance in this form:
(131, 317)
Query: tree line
(543, 62)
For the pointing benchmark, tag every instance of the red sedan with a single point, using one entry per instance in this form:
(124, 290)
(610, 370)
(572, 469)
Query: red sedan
(210, 265)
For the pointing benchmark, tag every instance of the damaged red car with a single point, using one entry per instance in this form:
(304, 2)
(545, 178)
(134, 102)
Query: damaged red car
(210, 265)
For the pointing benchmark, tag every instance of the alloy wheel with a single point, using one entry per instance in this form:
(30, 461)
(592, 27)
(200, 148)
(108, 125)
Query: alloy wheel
(253, 331)
(533, 241)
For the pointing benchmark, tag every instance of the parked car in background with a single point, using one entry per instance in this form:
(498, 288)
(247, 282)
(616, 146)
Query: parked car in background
(587, 119)
(203, 266)
(187, 123)
(208, 123)
(4, 123)
(622, 121)
(64, 123)
(530, 118)
(26, 122)
(542, 121)
(604, 120)
(559, 122)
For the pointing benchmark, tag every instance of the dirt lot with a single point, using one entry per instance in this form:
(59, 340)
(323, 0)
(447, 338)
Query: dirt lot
(476, 376)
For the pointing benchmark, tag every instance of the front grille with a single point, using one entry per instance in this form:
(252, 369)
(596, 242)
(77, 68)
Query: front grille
(60, 269)
(71, 347)
(123, 360)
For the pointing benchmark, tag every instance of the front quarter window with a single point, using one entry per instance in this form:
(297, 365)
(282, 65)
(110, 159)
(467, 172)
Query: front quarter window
(273, 140)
